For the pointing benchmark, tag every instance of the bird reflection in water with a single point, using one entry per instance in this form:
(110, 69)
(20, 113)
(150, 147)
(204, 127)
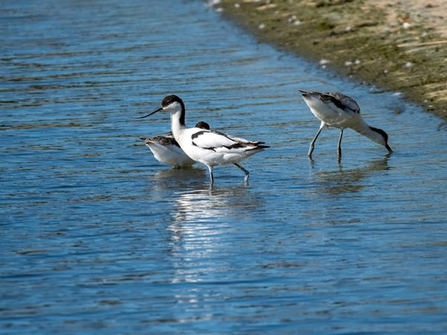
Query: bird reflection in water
(346, 180)
(211, 204)
(177, 179)
(205, 224)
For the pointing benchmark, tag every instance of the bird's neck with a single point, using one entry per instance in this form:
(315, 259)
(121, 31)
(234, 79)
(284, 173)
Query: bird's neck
(177, 124)
(361, 127)
(365, 130)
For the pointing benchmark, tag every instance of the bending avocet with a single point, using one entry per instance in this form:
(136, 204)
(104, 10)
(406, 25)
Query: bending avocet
(340, 111)
(167, 151)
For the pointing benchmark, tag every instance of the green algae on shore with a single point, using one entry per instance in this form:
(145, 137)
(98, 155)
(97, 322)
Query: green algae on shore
(355, 39)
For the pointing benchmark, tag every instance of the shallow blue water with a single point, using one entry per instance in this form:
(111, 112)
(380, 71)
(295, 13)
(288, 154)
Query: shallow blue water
(98, 237)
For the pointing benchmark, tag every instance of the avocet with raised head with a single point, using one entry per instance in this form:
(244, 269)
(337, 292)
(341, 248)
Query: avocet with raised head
(206, 146)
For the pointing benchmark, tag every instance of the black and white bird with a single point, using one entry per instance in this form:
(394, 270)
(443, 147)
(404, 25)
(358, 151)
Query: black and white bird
(340, 111)
(167, 151)
(208, 147)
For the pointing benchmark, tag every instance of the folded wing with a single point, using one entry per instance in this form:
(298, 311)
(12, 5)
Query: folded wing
(214, 140)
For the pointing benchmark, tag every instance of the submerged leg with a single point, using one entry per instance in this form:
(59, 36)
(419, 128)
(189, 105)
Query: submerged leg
(339, 144)
(210, 168)
(311, 147)
(247, 174)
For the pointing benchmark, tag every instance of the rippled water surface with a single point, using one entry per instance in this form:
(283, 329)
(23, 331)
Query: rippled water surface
(98, 237)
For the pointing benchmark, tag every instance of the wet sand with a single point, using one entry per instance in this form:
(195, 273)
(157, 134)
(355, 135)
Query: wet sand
(394, 45)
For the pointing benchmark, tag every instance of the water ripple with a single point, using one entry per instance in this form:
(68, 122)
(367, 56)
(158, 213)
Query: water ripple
(97, 236)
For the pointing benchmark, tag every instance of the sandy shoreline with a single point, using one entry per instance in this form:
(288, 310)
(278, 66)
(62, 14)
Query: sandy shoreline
(395, 45)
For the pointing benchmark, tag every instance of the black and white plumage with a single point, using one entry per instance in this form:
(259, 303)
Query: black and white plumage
(208, 147)
(340, 111)
(167, 151)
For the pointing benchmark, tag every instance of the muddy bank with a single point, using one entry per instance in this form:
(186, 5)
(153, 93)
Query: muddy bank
(388, 45)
